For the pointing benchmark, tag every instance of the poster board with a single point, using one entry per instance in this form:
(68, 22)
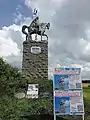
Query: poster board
(68, 93)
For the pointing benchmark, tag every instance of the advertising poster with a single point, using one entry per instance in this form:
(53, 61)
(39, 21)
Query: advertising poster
(69, 103)
(68, 94)
(67, 82)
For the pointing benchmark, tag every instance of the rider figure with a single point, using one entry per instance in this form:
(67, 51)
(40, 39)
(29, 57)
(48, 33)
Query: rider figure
(37, 23)
(36, 18)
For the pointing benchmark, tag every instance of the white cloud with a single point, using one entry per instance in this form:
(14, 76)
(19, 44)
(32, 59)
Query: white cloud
(18, 17)
(11, 44)
(7, 44)
(69, 33)
(6, 49)
(46, 8)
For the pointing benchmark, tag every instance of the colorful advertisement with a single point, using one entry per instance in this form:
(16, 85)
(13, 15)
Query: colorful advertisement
(68, 95)
(70, 103)
(67, 82)
(68, 71)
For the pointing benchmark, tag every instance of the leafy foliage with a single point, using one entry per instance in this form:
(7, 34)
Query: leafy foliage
(11, 82)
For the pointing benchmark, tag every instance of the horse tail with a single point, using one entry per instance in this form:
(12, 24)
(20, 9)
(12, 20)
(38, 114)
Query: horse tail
(23, 30)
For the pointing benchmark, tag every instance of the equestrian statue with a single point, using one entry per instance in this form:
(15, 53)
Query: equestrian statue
(35, 28)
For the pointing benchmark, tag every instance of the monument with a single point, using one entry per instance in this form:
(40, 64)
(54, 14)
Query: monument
(35, 53)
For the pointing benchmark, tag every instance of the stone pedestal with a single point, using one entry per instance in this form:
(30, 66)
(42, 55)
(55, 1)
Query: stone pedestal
(35, 65)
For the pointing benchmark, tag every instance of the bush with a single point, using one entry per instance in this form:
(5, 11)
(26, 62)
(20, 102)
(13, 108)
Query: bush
(12, 81)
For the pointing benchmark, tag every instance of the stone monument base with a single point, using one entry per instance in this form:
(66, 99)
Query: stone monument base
(35, 65)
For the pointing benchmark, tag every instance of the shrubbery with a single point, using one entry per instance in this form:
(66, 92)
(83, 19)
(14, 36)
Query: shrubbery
(11, 82)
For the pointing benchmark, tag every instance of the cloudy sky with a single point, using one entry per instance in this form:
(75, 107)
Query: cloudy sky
(69, 34)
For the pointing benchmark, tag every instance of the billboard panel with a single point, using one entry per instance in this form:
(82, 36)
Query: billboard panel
(67, 82)
(68, 94)
(70, 103)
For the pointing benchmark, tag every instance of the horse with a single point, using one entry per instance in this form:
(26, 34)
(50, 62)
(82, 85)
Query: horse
(34, 28)
(40, 30)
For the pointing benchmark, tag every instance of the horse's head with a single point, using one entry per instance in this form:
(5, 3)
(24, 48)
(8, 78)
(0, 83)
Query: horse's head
(48, 26)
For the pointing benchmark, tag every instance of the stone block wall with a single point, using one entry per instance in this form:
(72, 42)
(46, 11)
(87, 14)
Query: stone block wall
(35, 65)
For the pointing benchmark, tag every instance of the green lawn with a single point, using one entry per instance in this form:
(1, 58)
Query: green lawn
(86, 93)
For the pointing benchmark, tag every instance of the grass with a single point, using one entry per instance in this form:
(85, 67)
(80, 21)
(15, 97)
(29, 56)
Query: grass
(86, 92)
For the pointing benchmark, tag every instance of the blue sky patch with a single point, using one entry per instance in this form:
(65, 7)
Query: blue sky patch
(8, 9)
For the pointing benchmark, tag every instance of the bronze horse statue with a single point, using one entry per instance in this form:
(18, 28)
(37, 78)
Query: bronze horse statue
(36, 28)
